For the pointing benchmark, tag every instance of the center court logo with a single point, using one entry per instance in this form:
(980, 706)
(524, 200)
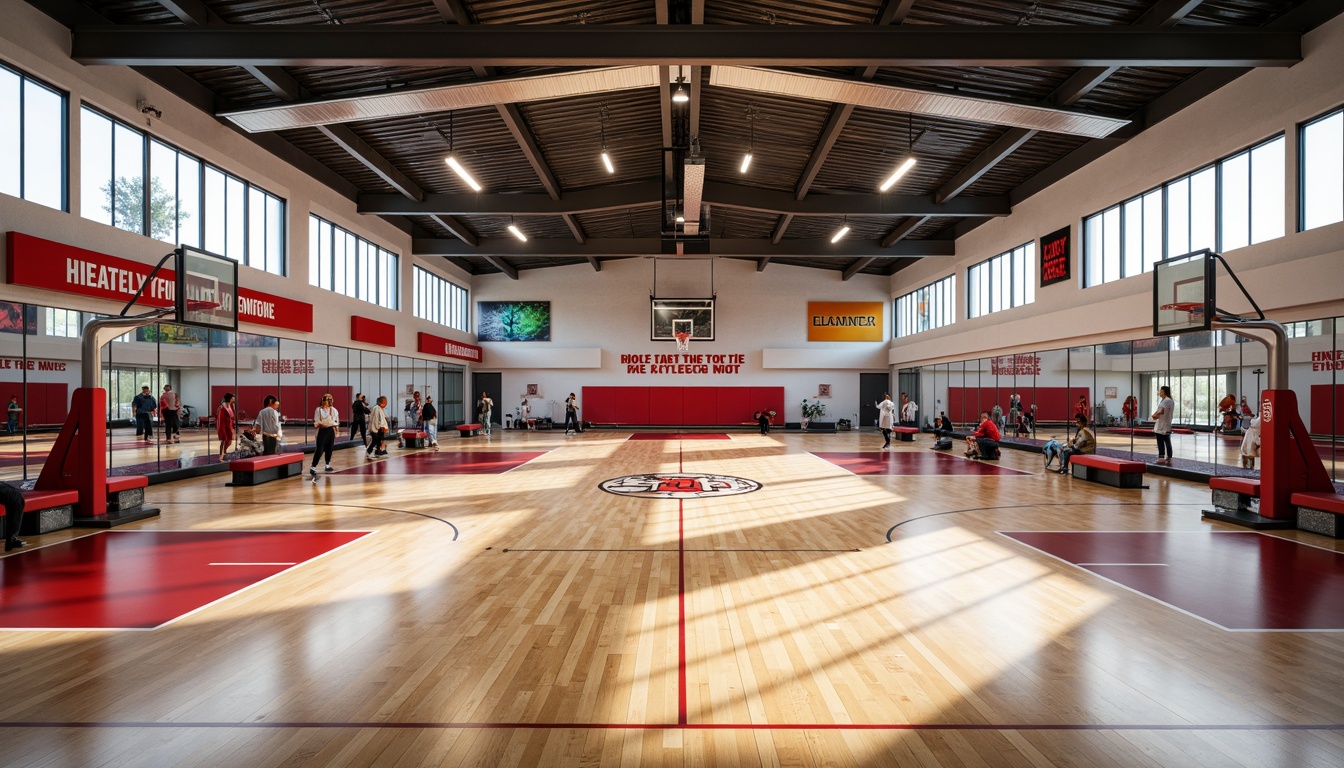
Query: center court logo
(678, 485)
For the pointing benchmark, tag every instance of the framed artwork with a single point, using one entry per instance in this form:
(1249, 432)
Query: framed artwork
(513, 320)
(700, 313)
(1112, 392)
(823, 390)
(533, 390)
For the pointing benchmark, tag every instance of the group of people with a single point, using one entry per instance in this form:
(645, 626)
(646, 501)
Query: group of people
(167, 406)
(887, 416)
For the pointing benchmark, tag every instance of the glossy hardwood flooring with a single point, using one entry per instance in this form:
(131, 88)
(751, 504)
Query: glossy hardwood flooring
(529, 618)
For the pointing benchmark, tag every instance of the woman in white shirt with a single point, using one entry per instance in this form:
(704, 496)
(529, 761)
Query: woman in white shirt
(1166, 409)
(326, 419)
(886, 414)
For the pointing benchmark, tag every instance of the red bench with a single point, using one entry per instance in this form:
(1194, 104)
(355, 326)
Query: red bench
(1320, 513)
(263, 469)
(414, 438)
(126, 492)
(1117, 473)
(56, 510)
(1235, 494)
(471, 430)
(905, 434)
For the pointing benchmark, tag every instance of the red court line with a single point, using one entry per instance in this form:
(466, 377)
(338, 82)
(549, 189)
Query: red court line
(681, 602)
(679, 436)
(689, 726)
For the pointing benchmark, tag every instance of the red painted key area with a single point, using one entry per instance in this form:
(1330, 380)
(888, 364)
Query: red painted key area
(912, 463)
(145, 579)
(446, 463)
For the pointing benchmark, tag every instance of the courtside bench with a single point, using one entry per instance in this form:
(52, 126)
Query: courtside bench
(1235, 494)
(905, 434)
(472, 430)
(1117, 473)
(1320, 513)
(126, 492)
(256, 470)
(55, 510)
(414, 438)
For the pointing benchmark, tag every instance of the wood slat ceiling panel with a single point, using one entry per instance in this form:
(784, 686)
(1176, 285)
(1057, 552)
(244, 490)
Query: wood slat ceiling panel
(562, 12)
(335, 82)
(1040, 151)
(1020, 84)
(535, 227)
(737, 223)
(636, 221)
(874, 142)
(570, 135)
(786, 133)
(791, 12)
(311, 141)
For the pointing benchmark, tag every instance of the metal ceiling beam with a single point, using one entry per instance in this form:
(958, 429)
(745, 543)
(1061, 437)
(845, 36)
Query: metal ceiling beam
(761, 262)
(992, 155)
(598, 45)
(457, 229)
(653, 246)
(597, 265)
(371, 159)
(859, 264)
(903, 230)
(188, 11)
(620, 196)
(499, 263)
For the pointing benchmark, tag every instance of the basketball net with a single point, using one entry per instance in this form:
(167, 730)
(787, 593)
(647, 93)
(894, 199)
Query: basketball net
(683, 339)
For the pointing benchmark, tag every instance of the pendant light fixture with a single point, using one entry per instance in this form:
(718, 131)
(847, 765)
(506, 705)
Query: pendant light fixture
(606, 158)
(840, 233)
(453, 163)
(751, 145)
(908, 162)
(680, 94)
(518, 233)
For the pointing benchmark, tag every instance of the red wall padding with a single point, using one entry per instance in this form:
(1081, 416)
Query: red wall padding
(679, 406)
(42, 403)
(1327, 403)
(1052, 403)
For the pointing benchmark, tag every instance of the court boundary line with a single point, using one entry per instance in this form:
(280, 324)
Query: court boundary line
(449, 523)
(1050, 505)
(1159, 601)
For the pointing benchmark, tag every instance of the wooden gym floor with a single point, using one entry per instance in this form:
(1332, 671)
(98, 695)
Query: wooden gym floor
(828, 618)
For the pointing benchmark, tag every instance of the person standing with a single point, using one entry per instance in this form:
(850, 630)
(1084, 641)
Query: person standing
(485, 407)
(1085, 441)
(1130, 410)
(144, 405)
(225, 422)
(268, 424)
(909, 413)
(326, 419)
(1166, 409)
(12, 500)
(886, 415)
(359, 418)
(572, 413)
(378, 427)
(1082, 408)
(429, 419)
(12, 411)
(763, 420)
(169, 405)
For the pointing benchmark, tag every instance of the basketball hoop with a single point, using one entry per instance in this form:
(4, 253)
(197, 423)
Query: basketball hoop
(201, 306)
(682, 331)
(1191, 308)
(683, 340)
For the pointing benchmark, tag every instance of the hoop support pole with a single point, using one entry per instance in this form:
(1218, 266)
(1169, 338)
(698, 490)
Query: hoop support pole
(102, 330)
(1277, 346)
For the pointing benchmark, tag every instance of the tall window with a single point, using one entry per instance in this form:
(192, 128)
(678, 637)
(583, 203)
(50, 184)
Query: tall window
(923, 309)
(185, 200)
(343, 262)
(1235, 202)
(440, 301)
(1003, 282)
(62, 322)
(32, 140)
(1322, 190)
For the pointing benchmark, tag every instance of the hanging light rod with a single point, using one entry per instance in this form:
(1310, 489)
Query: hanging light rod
(606, 161)
(518, 233)
(606, 158)
(896, 175)
(462, 172)
(840, 234)
(746, 162)
(680, 96)
(751, 142)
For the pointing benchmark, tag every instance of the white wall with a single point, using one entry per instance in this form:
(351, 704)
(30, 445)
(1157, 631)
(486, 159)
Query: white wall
(1297, 277)
(34, 43)
(597, 317)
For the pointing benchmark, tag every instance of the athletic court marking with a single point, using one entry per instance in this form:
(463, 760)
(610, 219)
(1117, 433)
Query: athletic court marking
(912, 463)
(139, 580)
(680, 436)
(1240, 581)
(444, 463)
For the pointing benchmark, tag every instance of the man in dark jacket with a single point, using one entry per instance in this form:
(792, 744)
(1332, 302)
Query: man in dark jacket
(144, 405)
(359, 418)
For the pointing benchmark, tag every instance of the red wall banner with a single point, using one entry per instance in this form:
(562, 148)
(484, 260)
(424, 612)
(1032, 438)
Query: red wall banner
(437, 345)
(53, 266)
(372, 331)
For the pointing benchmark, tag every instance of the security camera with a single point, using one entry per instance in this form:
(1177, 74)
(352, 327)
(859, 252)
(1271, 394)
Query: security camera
(149, 109)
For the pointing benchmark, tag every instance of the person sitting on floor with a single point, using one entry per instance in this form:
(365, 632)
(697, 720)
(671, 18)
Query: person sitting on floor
(1083, 442)
(984, 441)
(941, 427)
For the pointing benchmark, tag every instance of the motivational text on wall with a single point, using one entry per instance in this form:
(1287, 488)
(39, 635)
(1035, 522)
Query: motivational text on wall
(683, 362)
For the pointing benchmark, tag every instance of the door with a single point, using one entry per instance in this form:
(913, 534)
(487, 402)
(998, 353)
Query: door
(872, 386)
(487, 383)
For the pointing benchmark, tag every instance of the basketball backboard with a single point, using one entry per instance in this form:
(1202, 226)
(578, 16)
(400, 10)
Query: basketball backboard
(666, 311)
(1183, 294)
(207, 289)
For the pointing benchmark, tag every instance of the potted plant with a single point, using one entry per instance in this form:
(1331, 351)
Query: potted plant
(812, 411)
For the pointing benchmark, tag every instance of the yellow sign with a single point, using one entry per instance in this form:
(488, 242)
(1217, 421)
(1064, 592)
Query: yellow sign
(844, 321)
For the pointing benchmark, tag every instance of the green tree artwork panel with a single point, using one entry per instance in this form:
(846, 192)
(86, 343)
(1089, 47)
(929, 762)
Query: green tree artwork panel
(513, 321)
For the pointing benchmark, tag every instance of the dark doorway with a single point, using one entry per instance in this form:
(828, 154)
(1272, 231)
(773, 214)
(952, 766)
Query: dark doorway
(488, 383)
(872, 386)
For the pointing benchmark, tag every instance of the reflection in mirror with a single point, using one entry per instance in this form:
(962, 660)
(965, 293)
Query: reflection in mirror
(1050, 407)
(1115, 405)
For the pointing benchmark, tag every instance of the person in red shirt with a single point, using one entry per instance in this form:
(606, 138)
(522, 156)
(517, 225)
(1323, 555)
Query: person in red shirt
(984, 441)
